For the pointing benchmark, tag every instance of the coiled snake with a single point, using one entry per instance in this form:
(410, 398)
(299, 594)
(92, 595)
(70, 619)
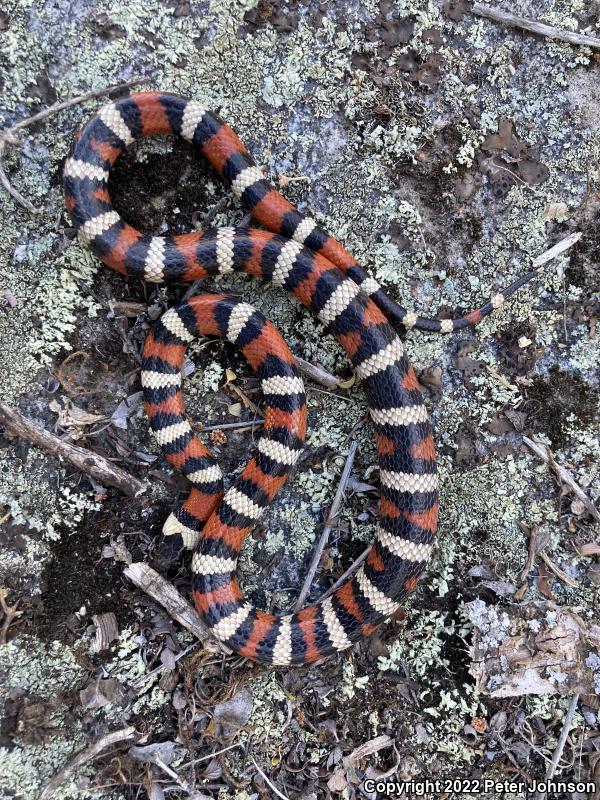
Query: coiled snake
(298, 255)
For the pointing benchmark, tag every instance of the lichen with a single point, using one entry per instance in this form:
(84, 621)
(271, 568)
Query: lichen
(308, 113)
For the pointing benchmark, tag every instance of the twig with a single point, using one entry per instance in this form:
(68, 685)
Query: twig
(149, 581)
(560, 573)
(560, 746)
(87, 461)
(544, 453)
(73, 101)
(268, 781)
(122, 735)
(344, 577)
(534, 26)
(181, 782)
(141, 681)
(6, 184)
(531, 554)
(556, 250)
(335, 508)
(317, 373)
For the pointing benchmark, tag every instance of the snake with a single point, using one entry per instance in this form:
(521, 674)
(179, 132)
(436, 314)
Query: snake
(292, 251)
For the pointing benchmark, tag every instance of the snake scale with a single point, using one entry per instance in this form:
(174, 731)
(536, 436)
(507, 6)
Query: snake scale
(295, 253)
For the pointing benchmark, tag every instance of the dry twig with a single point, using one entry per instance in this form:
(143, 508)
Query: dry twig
(122, 735)
(8, 135)
(560, 573)
(335, 508)
(187, 787)
(317, 373)
(565, 476)
(560, 746)
(534, 26)
(159, 589)
(532, 552)
(93, 464)
(556, 250)
(232, 426)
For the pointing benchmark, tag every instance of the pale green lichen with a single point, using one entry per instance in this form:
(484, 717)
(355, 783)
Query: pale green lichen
(305, 111)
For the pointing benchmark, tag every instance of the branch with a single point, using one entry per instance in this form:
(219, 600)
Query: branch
(149, 581)
(93, 464)
(335, 508)
(534, 26)
(345, 575)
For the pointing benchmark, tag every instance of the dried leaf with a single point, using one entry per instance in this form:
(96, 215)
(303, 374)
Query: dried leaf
(505, 139)
(338, 781)
(165, 751)
(349, 383)
(556, 211)
(517, 418)
(124, 410)
(100, 692)
(533, 172)
(233, 714)
(71, 417)
(544, 582)
(501, 588)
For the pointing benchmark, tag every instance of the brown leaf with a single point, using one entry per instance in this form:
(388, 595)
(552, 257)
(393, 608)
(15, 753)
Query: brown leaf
(533, 172)
(100, 692)
(544, 581)
(505, 139)
(234, 713)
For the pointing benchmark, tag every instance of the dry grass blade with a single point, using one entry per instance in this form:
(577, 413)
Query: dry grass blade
(266, 779)
(561, 743)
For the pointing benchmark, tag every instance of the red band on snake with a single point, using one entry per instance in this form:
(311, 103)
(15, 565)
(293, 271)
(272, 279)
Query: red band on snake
(299, 256)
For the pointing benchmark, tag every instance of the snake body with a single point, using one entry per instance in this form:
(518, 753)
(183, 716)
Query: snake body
(298, 255)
